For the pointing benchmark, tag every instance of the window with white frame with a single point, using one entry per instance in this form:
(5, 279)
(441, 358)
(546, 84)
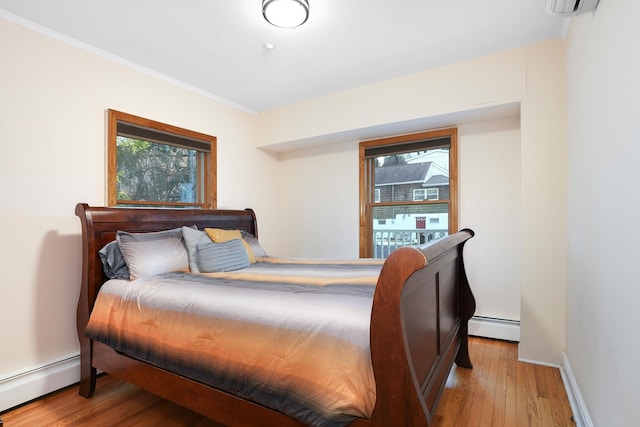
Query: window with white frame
(425, 194)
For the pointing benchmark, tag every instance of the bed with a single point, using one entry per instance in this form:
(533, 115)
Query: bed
(420, 305)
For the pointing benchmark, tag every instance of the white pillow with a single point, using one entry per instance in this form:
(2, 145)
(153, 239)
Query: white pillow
(193, 238)
(253, 244)
(149, 254)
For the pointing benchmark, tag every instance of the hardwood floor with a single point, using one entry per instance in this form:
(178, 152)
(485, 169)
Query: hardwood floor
(498, 391)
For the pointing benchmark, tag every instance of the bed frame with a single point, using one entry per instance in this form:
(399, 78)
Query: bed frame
(421, 308)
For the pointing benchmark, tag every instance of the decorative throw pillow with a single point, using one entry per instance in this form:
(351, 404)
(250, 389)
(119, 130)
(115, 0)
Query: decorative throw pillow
(113, 263)
(192, 238)
(149, 254)
(219, 235)
(254, 244)
(225, 256)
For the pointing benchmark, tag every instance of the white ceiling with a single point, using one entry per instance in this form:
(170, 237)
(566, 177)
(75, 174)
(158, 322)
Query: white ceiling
(216, 46)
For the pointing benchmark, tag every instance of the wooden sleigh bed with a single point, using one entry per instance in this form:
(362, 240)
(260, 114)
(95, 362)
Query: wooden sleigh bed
(418, 329)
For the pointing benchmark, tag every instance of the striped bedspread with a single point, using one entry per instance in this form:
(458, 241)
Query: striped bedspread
(290, 334)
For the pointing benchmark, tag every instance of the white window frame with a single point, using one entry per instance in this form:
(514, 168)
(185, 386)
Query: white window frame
(423, 194)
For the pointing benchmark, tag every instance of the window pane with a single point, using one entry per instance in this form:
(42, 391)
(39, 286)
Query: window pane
(412, 176)
(397, 226)
(155, 172)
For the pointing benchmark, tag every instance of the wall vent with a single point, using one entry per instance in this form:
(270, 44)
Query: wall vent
(570, 7)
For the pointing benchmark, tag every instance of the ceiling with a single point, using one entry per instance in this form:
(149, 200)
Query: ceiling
(217, 46)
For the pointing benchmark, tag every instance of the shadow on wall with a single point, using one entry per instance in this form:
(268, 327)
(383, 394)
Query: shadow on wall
(544, 333)
(57, 289)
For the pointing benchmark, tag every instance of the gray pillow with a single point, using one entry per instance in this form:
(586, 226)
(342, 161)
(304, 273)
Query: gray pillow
(224, 256)
(253, 244)
(193, 238)
(149, 254)
(113, 263)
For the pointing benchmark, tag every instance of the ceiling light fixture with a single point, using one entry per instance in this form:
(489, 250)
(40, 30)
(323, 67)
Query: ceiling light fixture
(285, 13)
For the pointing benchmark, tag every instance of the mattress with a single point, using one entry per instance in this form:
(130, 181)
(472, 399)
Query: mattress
(289, 334)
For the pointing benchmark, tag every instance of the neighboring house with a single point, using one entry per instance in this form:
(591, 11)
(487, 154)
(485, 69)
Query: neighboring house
(396, 226)
(411, 182)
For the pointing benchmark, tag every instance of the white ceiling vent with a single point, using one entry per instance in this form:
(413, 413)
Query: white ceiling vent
(570, 7)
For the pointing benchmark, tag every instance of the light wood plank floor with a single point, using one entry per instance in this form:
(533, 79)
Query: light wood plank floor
(498, 391)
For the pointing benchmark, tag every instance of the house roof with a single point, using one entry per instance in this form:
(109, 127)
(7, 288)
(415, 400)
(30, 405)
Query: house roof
(404, 173)
(437, 180)
(407, 174)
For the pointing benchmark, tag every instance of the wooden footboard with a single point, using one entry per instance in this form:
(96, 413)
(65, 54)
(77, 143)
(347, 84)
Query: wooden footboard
(421, 308)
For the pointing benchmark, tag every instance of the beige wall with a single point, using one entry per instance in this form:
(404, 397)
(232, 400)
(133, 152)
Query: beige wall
(490, 193)
(544, 159)
(459, 94)
(53, 98)
(603, 205)
(318, 203)
(396, 104)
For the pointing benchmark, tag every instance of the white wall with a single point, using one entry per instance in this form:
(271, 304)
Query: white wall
(604, 150)
(53, 98)
(458, 94)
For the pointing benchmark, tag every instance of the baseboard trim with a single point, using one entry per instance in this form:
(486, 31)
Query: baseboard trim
(578, 406)
(489, 327)
(20, 387)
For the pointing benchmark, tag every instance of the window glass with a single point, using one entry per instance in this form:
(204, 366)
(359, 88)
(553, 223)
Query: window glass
(156, 172)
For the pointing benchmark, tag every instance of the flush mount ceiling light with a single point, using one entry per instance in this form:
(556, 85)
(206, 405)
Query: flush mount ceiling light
(285, 13)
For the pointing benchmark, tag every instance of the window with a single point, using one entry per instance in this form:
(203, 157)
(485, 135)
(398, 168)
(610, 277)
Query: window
(154, 164)
(425, 194)
(403, 181)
